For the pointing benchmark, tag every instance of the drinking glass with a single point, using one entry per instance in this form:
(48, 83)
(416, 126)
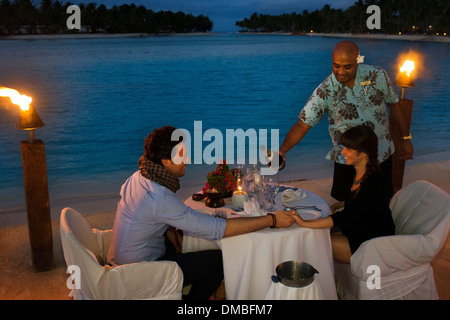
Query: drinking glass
(262, 192)
(239, 171)
(249, 179)
(273, 184)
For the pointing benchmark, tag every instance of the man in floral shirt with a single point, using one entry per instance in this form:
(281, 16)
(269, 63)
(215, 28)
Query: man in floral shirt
(351, 95)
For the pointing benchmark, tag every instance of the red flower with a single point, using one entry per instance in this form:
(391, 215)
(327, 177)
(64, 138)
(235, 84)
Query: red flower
(222, 179)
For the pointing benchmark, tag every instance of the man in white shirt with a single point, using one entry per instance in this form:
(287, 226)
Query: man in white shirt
(149, 206)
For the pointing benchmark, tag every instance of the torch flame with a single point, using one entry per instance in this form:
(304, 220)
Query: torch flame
(407, 67)
(21, 100)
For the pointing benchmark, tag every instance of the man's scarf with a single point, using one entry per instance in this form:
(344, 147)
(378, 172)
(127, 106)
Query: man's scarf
(158, 173)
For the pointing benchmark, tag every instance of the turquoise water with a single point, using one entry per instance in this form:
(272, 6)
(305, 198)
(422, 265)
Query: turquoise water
(99, 98)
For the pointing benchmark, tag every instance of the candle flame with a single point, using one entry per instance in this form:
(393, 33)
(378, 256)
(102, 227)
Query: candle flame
(408, 67)
(21, 100)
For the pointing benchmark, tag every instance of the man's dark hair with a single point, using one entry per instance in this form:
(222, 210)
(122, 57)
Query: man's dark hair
(158, 145)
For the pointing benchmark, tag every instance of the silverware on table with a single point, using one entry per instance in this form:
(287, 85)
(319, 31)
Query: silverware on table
(301, 207)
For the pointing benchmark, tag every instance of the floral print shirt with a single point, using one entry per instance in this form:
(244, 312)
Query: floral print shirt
(346, 108)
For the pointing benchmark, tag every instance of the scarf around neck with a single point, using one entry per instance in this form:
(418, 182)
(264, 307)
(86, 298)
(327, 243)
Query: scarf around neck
(158, 174)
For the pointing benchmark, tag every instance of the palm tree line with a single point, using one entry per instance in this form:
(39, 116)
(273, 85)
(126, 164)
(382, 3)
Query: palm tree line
(397, 16)
(22, 17)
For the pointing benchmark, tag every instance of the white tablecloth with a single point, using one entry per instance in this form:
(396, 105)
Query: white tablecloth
(249, 260)
(278, 291)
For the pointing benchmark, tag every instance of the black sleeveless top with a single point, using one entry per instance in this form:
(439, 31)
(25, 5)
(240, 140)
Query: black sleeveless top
(366, 214)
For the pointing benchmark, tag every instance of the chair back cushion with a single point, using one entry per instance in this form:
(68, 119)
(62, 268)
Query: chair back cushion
(74, 222)
(419, 207)
(83, 246)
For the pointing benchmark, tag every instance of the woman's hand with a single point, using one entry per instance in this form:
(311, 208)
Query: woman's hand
(319, 223)
(298, 220)
(336, 206)
(283, 220)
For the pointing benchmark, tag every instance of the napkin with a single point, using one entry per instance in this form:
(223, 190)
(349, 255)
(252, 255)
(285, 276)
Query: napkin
(252, 208)
(290, 195)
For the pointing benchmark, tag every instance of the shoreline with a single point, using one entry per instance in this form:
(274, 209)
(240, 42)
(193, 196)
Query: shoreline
(367, 36)
(403, 37)
(298, 174)
(60, 36)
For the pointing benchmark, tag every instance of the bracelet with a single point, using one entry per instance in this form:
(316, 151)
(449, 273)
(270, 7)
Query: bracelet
(274, 220)
(407, 137)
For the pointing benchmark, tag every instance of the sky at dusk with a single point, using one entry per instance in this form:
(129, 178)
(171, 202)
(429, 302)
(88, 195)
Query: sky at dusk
(224, 13)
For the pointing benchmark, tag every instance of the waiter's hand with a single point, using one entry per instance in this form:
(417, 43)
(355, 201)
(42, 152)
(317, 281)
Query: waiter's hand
(406, 150)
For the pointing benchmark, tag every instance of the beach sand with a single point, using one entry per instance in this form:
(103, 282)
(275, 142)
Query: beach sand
(18, 281)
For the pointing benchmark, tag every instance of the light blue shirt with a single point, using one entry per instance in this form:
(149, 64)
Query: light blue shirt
(346, 108)
(143, 215)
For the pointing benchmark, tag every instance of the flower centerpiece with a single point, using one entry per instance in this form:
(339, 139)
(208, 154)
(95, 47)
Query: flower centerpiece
(222, 179)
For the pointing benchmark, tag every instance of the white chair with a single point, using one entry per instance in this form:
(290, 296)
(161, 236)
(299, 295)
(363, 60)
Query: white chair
(87, 248)
(421, 213)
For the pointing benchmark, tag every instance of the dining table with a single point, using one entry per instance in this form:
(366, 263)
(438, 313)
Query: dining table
(250, 260)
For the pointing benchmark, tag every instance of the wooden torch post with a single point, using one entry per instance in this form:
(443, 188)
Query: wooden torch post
(38, 204)
(404, 80)
(398, 165)
(36, 192)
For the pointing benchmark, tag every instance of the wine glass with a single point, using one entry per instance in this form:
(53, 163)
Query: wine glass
(250, 171)
(261, 192)
(273, 183)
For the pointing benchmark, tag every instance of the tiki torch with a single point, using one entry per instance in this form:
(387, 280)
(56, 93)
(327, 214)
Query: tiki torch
(35, 182)
(404, 80)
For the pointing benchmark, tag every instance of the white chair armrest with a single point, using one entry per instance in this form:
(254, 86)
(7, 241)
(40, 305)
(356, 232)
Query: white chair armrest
(392, 254)
(144, 280)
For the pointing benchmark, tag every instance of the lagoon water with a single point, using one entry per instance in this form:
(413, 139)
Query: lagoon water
(99, 98)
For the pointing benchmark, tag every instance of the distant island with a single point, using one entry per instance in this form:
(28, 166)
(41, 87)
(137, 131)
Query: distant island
(22, 17)
(397, 17)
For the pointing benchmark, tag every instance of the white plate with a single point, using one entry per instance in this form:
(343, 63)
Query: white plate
(308, 214)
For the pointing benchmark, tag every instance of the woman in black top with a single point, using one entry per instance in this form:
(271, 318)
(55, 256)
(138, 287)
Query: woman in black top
(366, 212)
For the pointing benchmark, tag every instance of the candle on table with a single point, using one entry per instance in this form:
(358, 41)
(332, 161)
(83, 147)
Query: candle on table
(239, 197)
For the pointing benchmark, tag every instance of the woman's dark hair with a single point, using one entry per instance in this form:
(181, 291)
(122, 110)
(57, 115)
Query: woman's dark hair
(362, 139)
(158, 145)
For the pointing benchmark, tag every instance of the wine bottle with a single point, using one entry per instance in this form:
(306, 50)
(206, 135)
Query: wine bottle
(270, 155)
